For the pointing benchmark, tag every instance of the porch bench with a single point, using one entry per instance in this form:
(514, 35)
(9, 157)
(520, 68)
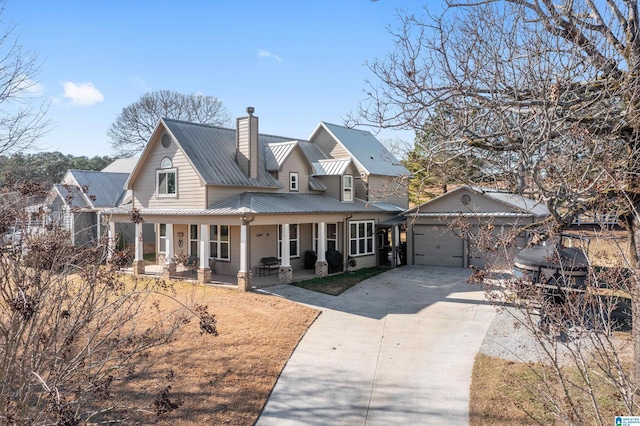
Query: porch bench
(267, 264)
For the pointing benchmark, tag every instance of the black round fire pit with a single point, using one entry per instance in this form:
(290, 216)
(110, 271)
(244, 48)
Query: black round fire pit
(553, 266)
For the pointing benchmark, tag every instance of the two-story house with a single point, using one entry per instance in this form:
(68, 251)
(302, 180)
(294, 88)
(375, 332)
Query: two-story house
(238, 196)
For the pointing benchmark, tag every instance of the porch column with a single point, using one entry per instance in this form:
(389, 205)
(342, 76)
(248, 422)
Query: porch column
(244, 278)
(138, 260)
(111, 241)
(395, 245)
(169, 267)
(285, 273)
(204, 272)
(322, 268)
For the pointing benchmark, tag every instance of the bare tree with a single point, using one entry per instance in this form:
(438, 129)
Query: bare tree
(21, 123)
(546, 94)
(132, 128)
(72, 329)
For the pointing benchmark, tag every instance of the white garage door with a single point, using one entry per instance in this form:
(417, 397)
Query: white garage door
(437, 246)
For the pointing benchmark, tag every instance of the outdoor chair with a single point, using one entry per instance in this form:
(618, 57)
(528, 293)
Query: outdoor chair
(268, 264)
(212, 265)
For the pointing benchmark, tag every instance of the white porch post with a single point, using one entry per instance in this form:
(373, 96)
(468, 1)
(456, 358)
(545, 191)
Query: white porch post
(138, 260)
(204, 272)
(285, 273)
(169, 261)
(111, 240)
(322, 269)
(395, 245)
(244, 278)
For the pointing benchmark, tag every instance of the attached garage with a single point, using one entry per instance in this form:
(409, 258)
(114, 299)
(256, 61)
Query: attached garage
(451, 230)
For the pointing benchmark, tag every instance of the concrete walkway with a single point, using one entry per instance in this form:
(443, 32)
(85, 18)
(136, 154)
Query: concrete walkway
(395, 349)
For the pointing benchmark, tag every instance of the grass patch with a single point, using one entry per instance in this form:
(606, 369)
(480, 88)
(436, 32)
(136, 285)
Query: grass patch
(338, 283)
(503, 392)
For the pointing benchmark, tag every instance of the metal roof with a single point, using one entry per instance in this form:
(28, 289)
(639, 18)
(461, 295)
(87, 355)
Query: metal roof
(316, 184)
(70, 196)
(517, 201)
(121, 165)
(523, 206)
(469, 214)
(367, 151)
(331, 167)
(212, 151)
(275, 154)
(312, 151)
(260, 202)
(102, 189)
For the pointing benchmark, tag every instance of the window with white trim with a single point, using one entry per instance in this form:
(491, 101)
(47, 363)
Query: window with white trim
(331, 236)
(347, 188)
(219, 241)
(293, 181)
(166, 182)
(193, 240)
(361, 237)
(294, 247)
(162, 238)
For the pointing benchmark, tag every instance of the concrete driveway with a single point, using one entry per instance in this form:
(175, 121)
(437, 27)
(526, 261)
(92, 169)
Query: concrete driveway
(395, 349)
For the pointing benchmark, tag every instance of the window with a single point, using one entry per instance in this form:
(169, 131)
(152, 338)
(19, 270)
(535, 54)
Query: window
(293, 241)
(193, 240)
(219, 241)
(361, 237)
(332, 236)
(293, 181)
(162, 238)
(347, 188)
(166, 179)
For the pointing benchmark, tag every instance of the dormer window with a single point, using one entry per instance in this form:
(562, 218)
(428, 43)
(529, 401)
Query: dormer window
(347, 188)
(293, 181)
(166, 179)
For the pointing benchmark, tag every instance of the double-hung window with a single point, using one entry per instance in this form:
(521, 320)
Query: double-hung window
(219, 241)
(293, 181)
(361, 237)
(166, 179)
(294, 247)
(347, 188)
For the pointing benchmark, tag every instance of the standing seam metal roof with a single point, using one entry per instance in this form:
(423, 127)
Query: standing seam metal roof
(212, 151)
(368, 151)
(103, 189)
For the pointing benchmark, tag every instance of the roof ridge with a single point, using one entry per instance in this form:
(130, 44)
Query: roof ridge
(209, 126)
(348, 128)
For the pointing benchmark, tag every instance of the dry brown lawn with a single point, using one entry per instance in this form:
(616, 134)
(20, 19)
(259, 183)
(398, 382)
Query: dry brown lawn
(225, 379)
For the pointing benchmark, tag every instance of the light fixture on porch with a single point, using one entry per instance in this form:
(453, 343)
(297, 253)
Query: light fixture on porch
(264, 234)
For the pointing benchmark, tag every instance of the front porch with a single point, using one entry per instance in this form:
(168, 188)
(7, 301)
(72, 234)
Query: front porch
(191, 275)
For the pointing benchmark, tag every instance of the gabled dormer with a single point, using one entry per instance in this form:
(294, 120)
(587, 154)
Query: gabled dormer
(380, 176)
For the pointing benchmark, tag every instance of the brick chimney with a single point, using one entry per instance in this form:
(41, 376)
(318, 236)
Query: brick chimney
(247, 151)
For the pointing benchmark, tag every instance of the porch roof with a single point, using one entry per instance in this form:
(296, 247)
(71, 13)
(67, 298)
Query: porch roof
(272, 203)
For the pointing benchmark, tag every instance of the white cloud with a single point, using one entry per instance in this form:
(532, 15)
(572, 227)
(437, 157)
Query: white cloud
(265, 54)
(82, 94)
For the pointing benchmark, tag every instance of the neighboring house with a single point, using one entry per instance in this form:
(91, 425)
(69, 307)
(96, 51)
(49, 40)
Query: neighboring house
(77, 202)
(434, 237)
(236, 196)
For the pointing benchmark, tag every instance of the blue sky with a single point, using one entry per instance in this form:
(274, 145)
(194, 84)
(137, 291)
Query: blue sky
(297, 62)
